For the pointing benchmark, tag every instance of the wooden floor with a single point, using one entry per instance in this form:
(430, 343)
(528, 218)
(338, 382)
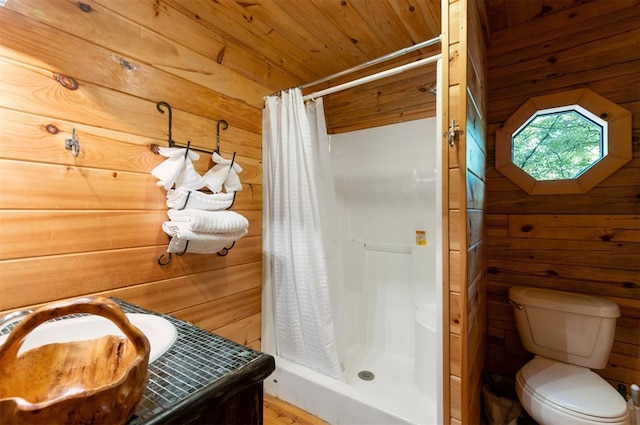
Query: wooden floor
(278, 412)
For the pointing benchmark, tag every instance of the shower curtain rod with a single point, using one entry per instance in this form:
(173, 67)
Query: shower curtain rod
(373, 77)
(376, 61)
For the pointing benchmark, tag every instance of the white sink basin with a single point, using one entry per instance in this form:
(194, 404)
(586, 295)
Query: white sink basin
(160, 332)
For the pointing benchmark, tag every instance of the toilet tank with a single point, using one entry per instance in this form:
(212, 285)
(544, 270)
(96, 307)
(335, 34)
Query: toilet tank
(572, 328)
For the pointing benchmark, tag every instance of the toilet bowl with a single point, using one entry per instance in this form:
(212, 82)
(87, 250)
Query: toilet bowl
(570, 334)
(554, 392)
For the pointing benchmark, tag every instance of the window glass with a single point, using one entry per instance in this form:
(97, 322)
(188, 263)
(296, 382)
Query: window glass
(563, 143)
(558, 144)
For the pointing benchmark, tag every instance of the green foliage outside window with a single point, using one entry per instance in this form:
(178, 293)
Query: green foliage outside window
(558, 145)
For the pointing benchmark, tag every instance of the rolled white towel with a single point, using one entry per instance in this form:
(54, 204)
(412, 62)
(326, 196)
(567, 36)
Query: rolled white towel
(181, 198)
(215, 177)
(232, 182)
(185, 240)
(189, 177)
(223, 173)
(170, 169)
(209, 221)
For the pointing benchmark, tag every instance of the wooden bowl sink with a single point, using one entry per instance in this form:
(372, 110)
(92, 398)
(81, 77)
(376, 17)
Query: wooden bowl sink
(97, 381)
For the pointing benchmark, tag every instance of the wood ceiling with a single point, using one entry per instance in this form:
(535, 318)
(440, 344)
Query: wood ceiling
(294, 42)
(304, 40)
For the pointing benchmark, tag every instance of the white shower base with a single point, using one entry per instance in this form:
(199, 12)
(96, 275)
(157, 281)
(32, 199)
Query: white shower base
(394, 396)
(394, 384)
(340, 403)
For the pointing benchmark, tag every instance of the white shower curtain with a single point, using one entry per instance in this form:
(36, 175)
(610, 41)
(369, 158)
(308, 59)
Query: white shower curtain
(299, 192)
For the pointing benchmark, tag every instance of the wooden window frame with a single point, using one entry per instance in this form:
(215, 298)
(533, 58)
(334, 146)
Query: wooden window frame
(618, 150)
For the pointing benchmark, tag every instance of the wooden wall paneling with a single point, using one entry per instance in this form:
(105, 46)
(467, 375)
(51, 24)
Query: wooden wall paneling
(456, 232)
(455, 395)
(456, 313)
(581, 243)
(182, 29)
(40, 138)
(595, 227)
(604, 200)
(244, 331)
(475, 191)
(582, 15)
(588, 253)
(475, 226)
(589, 279)
(249, 198)
(455, 278)
(455, 349)
(126, 267)
(47, 186)
(614, 80)
(454, 103)
(64, 232)
(177, 293)
(407, 90)
(394, 99)
(36, 91)
(91, 224)
(454, 187)
(615, 50)
(451, 276)
(217, 313)
(475, 128)
(394, 117)
(126, 38)
(109, 71)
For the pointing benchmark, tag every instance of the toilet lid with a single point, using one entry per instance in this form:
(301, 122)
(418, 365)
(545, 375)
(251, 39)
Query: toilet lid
(571, 387)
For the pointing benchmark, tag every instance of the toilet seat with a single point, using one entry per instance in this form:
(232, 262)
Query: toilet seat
(559, 393)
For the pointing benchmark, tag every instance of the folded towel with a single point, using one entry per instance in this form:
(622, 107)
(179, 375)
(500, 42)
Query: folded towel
(189, 177)
(185, 240)
(223, 173)
(177, 166)
(232, 182)
(181, 198)
(208, 221)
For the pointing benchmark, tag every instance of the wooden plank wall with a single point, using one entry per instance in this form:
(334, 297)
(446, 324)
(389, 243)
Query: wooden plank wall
(392, 100)
(92, 224)
(465, 271)
(586, 243)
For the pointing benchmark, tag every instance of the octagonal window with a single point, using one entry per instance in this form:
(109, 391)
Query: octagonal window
(562, 143)
(559, 143)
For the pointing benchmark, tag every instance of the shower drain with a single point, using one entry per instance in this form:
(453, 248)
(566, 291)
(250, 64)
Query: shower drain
(366, 375)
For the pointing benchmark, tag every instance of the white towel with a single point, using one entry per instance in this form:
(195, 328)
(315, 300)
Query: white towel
(189, 177)
(222, 173)
(198, 243)
(177, 167)
(181, 198)
(208, 221)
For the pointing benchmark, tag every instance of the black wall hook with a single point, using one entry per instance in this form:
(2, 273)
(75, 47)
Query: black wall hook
(166, 105)
(161, 106)
(226, 125)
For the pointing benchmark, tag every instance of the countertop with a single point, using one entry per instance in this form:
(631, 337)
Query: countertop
(200, 368)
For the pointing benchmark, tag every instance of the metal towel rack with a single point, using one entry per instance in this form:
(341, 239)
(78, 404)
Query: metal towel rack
(172, 144)
(165, 259)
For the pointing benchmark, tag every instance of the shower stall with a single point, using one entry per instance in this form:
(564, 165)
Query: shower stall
(386, 312)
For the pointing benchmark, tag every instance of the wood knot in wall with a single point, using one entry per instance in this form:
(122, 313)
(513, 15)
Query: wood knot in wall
(66, 81)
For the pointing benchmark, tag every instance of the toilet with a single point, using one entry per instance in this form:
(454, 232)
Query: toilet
(570, 334)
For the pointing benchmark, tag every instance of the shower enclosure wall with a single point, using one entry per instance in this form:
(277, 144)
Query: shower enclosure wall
(388, 335)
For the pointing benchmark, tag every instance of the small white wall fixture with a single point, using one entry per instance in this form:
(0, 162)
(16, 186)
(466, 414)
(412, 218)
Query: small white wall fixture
(616, 143)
